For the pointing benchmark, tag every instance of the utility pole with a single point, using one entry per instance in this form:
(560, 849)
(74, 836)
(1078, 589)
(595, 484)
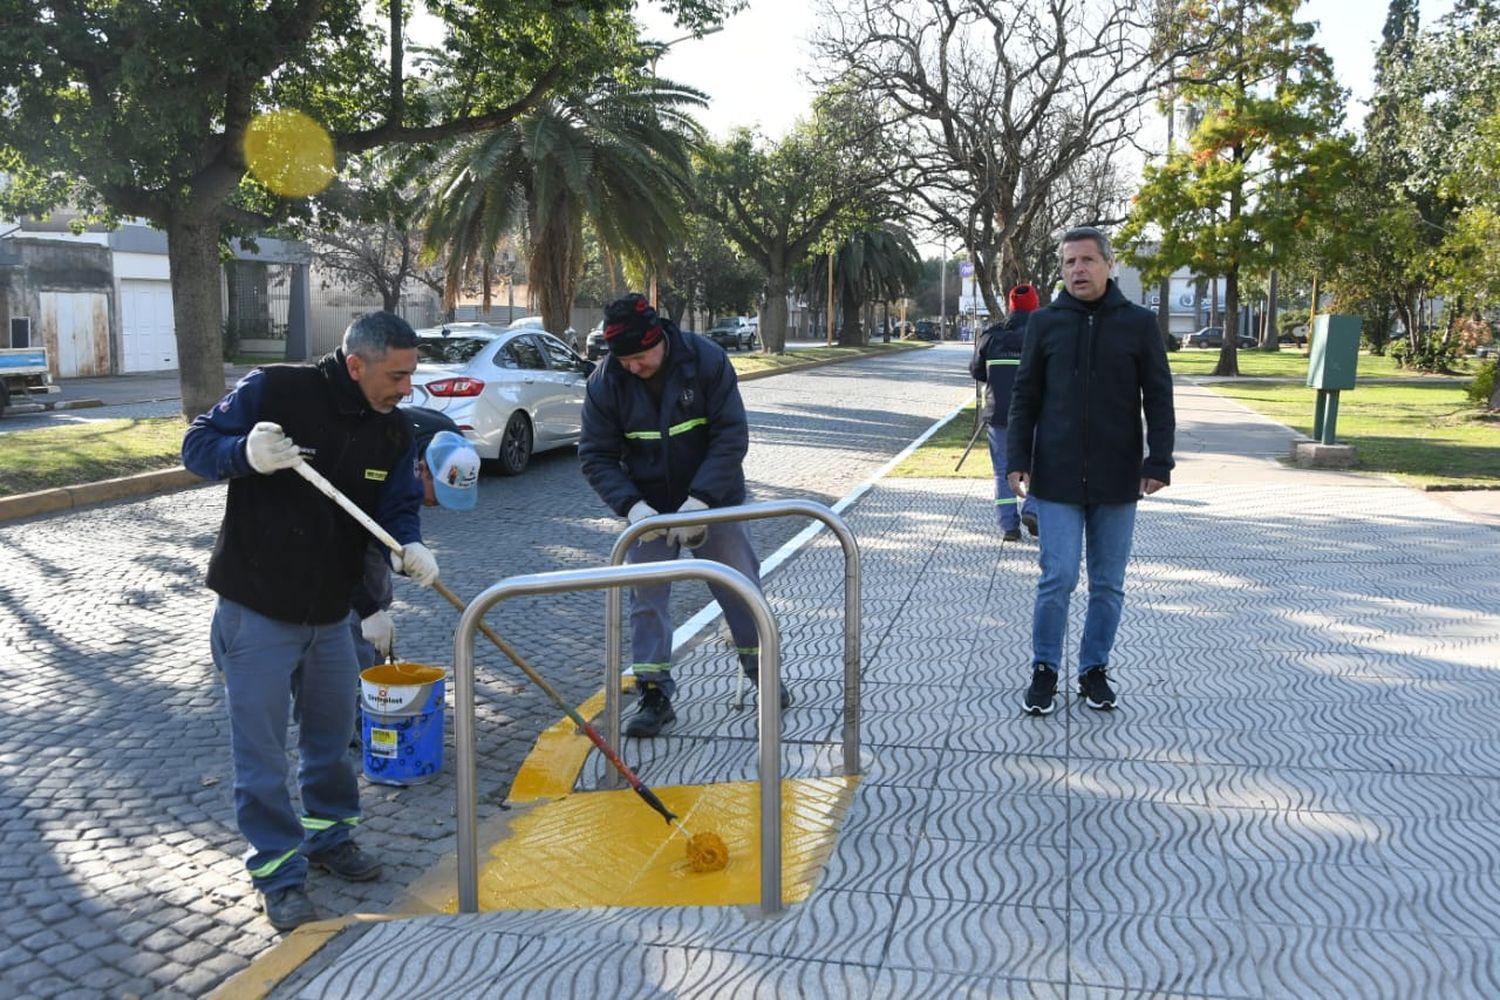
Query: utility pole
(943, 290)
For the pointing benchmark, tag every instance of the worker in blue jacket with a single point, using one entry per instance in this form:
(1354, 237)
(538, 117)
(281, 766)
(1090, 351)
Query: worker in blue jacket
(664, 430)
(284, 565)
(997, 354)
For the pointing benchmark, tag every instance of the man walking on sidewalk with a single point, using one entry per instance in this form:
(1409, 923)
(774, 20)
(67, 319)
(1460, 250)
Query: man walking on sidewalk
(664, 429)
(1093, 362)
(284, 566)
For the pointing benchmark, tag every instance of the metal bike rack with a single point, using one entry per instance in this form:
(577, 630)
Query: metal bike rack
(614, 577)
(745, 512)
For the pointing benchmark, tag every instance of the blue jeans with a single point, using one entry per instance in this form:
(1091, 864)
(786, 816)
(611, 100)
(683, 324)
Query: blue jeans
(1064, 527)
(1006, 511)
(273, 670)
(651, 614)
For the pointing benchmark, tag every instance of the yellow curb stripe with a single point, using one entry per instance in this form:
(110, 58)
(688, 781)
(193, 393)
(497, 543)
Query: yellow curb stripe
(551, 769)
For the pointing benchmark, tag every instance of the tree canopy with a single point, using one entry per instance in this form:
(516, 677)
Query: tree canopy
(142, 109)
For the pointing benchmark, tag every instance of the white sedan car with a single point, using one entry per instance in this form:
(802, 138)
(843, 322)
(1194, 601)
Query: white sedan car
(512, 392)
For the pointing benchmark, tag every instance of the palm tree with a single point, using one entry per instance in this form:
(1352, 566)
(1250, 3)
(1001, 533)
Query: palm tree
(876, 264)
(617, 156)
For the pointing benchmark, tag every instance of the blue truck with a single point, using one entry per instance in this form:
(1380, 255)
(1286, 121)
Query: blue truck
(23, 372)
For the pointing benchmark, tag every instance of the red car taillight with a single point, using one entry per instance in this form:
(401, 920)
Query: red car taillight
(453, 387)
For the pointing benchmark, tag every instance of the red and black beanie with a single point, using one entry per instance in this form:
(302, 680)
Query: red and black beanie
(631, 325)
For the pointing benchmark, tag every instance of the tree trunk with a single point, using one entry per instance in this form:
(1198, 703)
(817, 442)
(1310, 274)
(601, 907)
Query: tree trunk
(1272, 340)
(193, 262)
(1229, 363)
(851, 333)
(773, 314)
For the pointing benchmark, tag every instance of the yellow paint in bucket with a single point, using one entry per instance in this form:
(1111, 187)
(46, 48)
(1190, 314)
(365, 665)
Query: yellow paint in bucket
(399, 688)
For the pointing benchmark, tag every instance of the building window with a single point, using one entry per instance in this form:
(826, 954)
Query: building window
(20, 331)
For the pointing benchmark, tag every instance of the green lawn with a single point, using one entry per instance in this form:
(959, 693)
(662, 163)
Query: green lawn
(755, 362)
(106, 449)
(1427, 434)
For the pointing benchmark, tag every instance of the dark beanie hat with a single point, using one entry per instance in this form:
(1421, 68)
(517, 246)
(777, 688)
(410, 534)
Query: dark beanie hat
(631, 325)
(1023, 298)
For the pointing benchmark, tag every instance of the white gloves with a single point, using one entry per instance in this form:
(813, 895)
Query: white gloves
(379, 631)
(689, 536)
(268, 448)
(639, 511)
(417, 562)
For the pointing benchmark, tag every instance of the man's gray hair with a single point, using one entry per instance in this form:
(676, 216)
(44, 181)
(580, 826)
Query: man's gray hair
(1079, 233)
(372, 334)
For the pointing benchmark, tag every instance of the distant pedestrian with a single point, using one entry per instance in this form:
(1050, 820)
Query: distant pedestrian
(664, 429)
(286, 560)
(997, 355)
(1093, 363)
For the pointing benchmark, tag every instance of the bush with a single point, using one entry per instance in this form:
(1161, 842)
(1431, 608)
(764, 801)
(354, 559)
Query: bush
(1483, 387)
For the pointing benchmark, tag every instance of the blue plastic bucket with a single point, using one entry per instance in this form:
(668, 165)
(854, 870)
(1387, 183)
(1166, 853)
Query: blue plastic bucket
(401, 722)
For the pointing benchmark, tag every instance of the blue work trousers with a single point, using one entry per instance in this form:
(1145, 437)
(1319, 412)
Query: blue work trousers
(1008, 509)
(650, 606)
(275, 672)
(1107, 529)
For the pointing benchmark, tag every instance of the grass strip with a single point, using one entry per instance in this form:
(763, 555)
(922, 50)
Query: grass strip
(52, 457)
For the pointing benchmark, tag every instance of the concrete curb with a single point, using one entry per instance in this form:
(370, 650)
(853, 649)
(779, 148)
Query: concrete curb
(89, 494)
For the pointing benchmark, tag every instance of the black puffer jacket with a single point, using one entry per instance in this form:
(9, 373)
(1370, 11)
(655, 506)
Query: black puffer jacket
(1085, 378)
(692, 441)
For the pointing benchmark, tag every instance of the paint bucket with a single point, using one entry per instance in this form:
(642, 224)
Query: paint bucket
(401, 722)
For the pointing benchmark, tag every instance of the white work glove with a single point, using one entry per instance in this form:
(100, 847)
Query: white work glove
(689, 536)
(269, 449)
(417, 562)
(639, 511)
(379, 631)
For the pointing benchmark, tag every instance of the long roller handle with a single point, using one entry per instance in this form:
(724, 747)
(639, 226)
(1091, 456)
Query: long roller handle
(323, 486)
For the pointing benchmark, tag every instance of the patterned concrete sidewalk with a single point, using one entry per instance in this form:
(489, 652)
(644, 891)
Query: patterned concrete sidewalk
(1298, 796)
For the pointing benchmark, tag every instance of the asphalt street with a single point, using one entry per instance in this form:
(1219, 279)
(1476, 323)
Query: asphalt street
(121, 858)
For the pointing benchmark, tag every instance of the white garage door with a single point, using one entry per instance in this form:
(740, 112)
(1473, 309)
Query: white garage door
(75, 327)
(147, 341)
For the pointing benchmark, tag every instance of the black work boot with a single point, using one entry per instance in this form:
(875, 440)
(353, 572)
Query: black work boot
(346, 861)
(655, 712)
(288, 908)
(751, 666)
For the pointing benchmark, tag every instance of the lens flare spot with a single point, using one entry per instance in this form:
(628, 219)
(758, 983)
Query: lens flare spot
(289, 152)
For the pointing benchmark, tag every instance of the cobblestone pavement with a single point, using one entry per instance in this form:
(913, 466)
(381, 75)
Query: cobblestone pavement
(121, 859)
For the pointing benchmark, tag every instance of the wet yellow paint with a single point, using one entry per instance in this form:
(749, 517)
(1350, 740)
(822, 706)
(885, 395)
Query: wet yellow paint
(610, 849)
(551, 768)
(400, 674)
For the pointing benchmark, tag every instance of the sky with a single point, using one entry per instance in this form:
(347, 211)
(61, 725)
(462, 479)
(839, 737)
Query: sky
(753, 69)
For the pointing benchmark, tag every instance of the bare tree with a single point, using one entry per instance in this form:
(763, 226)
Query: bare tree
(376, 258)
(1005, 106)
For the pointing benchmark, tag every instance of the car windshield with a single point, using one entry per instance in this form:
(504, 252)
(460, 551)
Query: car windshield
(449, 350)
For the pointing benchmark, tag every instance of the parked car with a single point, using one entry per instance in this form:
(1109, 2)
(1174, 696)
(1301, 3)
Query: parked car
(1213, 336)
(594, 346)
(568, 336)
(923, 329)
(734, 332)
(1296, 336)
(1490, 350)
(511, 392)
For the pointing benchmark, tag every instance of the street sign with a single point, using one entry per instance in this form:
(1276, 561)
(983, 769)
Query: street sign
(965, 269)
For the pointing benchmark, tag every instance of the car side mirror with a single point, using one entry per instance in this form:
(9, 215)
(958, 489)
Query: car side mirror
(586, 366)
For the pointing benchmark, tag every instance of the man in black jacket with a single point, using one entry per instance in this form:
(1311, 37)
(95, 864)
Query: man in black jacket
(664, 429)
(1092, 364)
(284, 566)
(997, 354)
